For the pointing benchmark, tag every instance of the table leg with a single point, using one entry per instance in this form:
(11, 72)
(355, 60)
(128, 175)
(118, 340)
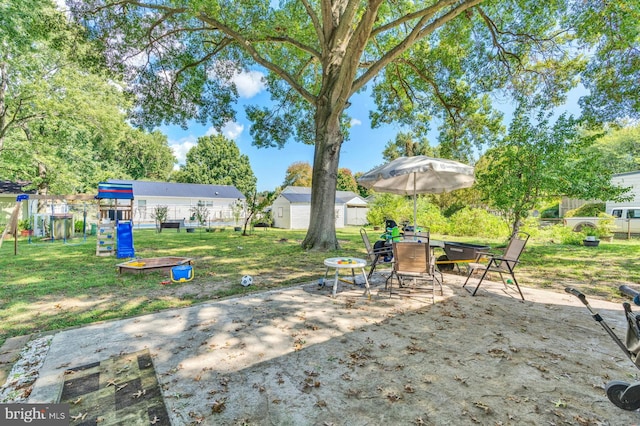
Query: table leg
(335, 283)
(366, 283)
(324, 280)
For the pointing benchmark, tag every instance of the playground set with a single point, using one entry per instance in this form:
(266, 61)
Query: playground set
(113, 230)
(115, 220)
(57, 220)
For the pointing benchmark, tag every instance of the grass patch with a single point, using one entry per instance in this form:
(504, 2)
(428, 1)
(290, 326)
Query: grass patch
(51, 286)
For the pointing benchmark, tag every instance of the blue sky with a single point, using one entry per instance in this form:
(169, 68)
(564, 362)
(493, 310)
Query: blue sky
(362, 152)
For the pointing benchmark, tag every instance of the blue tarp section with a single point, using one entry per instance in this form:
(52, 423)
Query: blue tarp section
(119, 191)
(125, 240)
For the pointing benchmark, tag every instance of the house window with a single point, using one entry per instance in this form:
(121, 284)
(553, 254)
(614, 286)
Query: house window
(280, 212)
(205, 203)
(142, 209)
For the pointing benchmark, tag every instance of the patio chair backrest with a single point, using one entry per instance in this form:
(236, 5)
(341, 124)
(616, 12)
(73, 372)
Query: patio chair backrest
(367, 244)
(420, 235)
(412, 257)
(513, 251)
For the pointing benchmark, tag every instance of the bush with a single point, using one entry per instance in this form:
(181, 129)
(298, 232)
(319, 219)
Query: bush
(564, 235)
(389, 206)
(160, 214)
(429, 215)
(587, 210)
(606, 224)
(477, 223)
(531, 226)
(551, 212)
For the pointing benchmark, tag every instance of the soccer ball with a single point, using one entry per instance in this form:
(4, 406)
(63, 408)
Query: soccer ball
(246, 281)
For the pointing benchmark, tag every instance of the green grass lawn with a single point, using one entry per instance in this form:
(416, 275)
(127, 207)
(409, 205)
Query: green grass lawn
(49, 286)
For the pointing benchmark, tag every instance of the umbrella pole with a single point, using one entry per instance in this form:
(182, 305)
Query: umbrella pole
(415, 206)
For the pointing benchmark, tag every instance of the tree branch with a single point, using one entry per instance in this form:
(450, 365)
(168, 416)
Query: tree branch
(316, 22)
(246, 44)
(416, 35)
(351, 54)
(428, 12)
(502, 51)
(448, 106)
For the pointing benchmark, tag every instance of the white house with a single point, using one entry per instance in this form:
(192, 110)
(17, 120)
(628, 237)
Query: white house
(180, 198)
(292, 208)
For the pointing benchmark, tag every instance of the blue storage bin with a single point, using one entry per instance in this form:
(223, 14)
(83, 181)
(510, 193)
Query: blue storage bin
(181, 273)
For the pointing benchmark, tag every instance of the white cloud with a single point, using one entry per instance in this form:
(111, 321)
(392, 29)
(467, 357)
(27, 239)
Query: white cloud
(249, 83)
(181, 147)
(232, 130)
(355, 122)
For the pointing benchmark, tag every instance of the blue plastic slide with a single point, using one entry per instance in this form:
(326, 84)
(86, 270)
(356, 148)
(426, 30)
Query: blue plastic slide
(125, 240)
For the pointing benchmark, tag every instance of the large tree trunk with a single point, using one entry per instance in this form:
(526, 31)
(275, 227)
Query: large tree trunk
(321, 234)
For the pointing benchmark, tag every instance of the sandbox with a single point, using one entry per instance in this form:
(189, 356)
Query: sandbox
(152, 264)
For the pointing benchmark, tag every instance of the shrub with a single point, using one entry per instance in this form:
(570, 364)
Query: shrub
(557, 234)
(606, 224)
(531, 226)
(160, 214)
(200, 214)
(551, 212)
(587, 210)
(389, 206)
(477, 223)
(429, 215)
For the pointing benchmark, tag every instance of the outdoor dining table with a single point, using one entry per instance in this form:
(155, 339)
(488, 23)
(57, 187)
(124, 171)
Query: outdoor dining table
(453, 253)
(352, 263)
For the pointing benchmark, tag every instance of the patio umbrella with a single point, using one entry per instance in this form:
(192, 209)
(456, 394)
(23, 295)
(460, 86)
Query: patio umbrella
(418, 175)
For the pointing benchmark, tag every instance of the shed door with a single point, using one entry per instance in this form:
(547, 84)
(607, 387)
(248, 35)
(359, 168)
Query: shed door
(357, 215)
(300, 216)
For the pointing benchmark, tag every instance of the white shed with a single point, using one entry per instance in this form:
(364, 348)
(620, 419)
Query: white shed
(292, 208)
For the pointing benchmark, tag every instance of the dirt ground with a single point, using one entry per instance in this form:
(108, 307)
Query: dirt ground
(299, 357)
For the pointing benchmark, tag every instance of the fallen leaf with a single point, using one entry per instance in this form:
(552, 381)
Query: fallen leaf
(393, 397)
(139, 393)
(219, 406)
(80, 416)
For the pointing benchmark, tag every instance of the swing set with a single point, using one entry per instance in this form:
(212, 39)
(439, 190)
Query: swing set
(50, 217)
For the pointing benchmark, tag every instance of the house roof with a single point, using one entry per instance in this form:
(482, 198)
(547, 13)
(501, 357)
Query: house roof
(301, 194)
(188, 190)
(627, 173)
(9, 188)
